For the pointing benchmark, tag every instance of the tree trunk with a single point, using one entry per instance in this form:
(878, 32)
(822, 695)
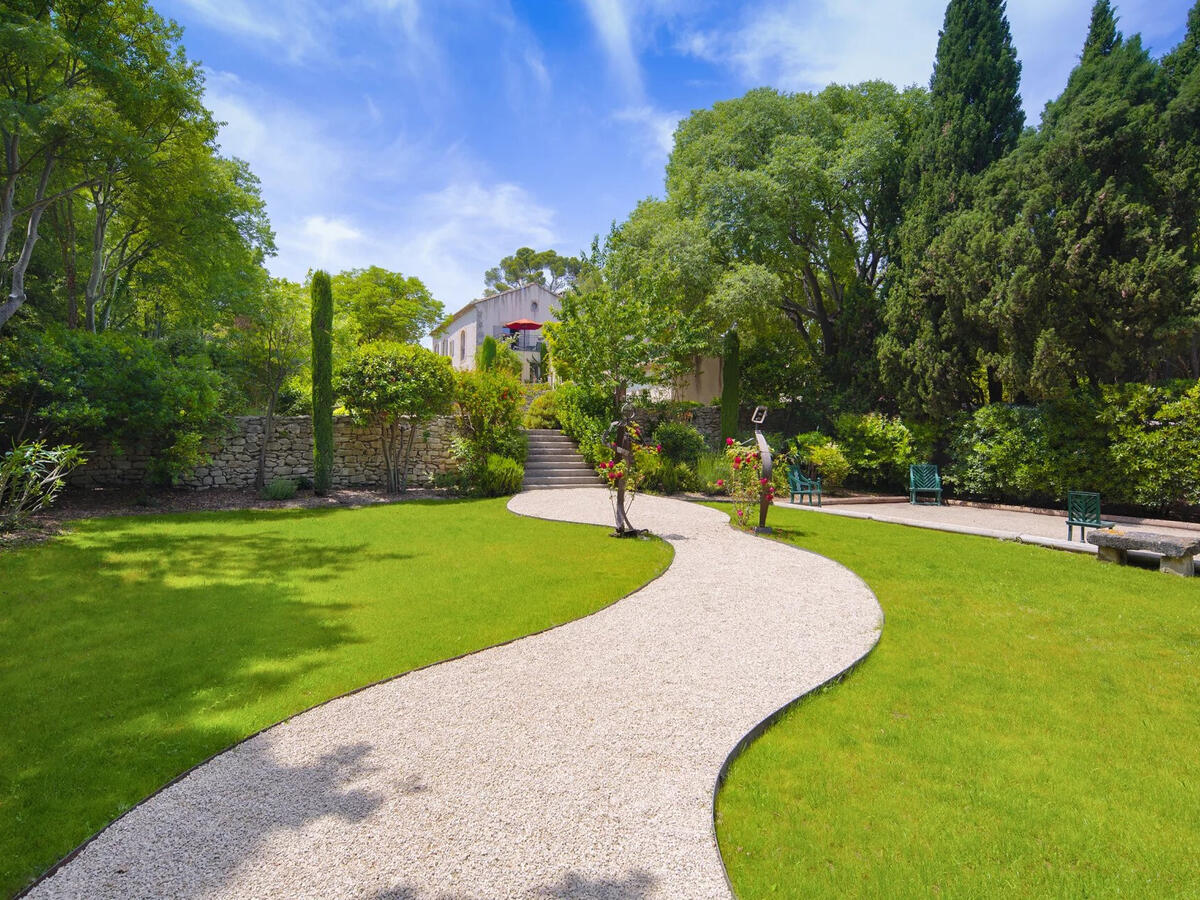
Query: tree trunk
(412, 436)
(16, 296)
(388, 436)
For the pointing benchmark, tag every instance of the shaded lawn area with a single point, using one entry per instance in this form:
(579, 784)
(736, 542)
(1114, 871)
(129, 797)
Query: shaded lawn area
(1029, 725)
(135, 647)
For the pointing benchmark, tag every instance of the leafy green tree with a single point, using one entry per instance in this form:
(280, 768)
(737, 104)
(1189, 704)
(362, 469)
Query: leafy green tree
(374, 304)
(529, 266)
(395, 388)
(322, 381)
(801, 192)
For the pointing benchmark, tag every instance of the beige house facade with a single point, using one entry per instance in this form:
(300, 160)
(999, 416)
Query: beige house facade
(460, 336)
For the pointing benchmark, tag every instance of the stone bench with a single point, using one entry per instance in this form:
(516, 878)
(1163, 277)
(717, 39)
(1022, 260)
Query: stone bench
(1177, 552)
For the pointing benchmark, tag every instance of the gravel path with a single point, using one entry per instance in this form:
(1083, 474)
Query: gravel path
(576, 763)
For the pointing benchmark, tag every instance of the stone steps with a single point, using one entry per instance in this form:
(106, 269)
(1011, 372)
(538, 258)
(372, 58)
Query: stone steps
(554, 462)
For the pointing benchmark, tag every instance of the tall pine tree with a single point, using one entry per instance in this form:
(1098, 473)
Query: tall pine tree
(932, 354)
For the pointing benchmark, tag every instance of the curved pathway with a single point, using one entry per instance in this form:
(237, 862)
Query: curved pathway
(576, 763)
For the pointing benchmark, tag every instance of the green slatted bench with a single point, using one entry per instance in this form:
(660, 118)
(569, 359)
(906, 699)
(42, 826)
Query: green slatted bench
(1083, 512)
(803, 487)
(923, 478)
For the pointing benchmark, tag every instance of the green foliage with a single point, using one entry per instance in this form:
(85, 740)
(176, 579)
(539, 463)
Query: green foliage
(374, 305)
(1133, 443)
(799, 196)
(500, 476)
(713, 467)
(488, 415)
(529, 266)
(680, 442)
(111, 390)
(658, 473)
(31, 477)
(584, 413)
(395, 388)
(280, 489)
(818, 455)
(486, 358)
(730, 385)
(878, 448)
(322, 382)
(543, 411)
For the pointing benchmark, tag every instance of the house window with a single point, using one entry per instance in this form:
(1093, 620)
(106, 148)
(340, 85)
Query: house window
(462, 345)
(533, 305)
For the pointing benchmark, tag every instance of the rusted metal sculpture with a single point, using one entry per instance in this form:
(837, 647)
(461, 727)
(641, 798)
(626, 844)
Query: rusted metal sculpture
(764, 451)
(619, 436)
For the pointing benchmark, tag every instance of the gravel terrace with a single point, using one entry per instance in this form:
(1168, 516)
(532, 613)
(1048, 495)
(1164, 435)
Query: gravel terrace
(576, 763)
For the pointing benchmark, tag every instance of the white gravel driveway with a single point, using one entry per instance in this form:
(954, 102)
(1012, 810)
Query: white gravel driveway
(576, 763)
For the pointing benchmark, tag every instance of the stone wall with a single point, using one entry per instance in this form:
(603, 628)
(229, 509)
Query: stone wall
(705, 419)
(357, 456)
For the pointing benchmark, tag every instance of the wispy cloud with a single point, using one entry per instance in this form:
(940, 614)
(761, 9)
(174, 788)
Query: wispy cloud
(655, 130)
(610, 18)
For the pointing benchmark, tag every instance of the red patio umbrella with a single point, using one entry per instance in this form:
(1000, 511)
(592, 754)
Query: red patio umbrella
(523, 325)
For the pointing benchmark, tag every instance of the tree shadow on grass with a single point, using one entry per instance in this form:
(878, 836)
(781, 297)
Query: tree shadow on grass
(137, 650)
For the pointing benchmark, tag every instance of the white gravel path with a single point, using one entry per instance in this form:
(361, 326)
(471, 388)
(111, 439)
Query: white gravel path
(576, 763)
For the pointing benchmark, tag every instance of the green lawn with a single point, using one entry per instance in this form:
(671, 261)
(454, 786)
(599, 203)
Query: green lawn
(136, 647)
(1029, 725)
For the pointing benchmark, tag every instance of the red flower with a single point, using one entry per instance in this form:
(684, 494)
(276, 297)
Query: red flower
(762, 481)
(720, 482)
(658, 449)
(728, 442)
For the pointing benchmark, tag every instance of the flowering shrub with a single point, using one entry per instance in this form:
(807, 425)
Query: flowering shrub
(746, 484)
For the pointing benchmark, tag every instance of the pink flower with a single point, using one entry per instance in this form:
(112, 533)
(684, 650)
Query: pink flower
(720, 482)
(658, 449)
(762, 481)
(728, 442)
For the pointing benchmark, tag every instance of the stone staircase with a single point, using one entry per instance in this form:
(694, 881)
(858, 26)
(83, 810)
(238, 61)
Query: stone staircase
(554, 462)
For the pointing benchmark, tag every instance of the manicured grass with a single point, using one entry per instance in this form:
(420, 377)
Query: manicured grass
(1029, 725)
(136, 647)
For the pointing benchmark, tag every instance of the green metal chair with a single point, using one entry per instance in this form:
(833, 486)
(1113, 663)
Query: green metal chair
(1083, 511)
(802, 486)
(923, 478)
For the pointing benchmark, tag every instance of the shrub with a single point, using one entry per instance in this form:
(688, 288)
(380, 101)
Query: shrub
(280, 489)
(661, 474)
(712, 468)
(500, 476)
(543, 411)
(584, 413)
(31, 477)
(746, 484)
(819, 457)
(395, 388)
(487, 409)
(112, 390)
(680, 443)
(878, 448)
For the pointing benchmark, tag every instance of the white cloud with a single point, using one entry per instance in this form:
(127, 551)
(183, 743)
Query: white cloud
(610, 18)
(656, 130)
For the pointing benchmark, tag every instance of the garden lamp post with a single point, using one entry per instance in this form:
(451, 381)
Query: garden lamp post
(764, 452)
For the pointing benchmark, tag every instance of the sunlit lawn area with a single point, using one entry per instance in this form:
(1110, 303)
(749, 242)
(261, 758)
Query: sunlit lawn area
(136, 647)
(1029, 725)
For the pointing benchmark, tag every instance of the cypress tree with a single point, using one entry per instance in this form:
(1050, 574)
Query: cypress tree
(730, 385)
(931, 351)
(322, 381)
(1102, 31)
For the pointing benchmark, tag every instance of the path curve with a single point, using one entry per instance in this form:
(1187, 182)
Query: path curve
(575, 763)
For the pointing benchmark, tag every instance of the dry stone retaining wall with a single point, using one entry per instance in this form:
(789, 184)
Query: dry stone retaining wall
(357, 456)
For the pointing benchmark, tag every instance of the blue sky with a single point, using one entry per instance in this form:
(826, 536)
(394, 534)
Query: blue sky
(433, 138)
